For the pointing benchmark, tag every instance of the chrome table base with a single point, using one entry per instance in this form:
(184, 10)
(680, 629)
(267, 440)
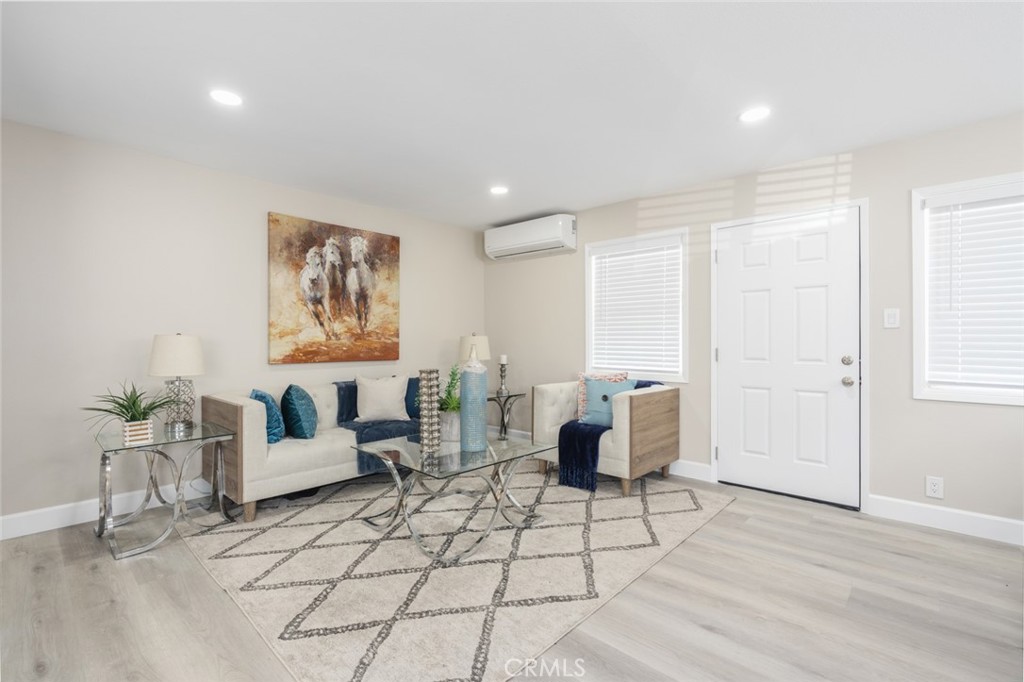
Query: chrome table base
(498, 486)
(180, 508)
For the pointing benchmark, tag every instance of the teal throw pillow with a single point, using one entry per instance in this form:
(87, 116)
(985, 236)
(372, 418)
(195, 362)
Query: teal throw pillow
(299, 413)
(275, 420)
(599, 399)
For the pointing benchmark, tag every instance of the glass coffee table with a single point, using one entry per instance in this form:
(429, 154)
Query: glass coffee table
(496, 466)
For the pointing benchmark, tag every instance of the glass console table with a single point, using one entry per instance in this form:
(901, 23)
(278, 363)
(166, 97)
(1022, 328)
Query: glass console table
(496, 466)
(112, 443)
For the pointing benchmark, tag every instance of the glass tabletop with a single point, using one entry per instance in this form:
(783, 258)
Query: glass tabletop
(450, 460)
(112, 439)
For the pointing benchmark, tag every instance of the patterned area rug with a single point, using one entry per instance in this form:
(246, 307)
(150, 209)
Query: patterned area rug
(337, 600)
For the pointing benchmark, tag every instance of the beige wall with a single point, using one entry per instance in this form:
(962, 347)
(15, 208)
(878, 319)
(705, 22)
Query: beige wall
(535, 309)
(104, 247)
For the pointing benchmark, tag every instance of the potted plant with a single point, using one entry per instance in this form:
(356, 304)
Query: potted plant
(134, 408)
(449, 405)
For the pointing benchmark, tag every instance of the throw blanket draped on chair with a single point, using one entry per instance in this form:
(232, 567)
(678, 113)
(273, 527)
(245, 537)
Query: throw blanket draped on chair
(577, 454)
(578, 447)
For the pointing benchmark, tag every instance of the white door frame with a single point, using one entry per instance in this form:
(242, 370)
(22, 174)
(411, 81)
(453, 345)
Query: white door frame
(865, 333)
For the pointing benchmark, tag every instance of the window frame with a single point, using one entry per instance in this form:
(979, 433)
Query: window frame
(681, 235)
(999, 186)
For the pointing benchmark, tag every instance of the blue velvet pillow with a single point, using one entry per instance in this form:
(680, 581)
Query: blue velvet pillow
(299, 413)
(275, 421)
(346, 401)
(412, 403)
(599, 399)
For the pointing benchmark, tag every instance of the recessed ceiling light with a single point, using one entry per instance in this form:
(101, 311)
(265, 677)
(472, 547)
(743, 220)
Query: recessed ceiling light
(224, 97)
(755, 114)
(498, 189)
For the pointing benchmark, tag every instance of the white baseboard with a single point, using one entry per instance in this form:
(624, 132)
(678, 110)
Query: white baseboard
(61, 516)
(697, 470)
(978, 525)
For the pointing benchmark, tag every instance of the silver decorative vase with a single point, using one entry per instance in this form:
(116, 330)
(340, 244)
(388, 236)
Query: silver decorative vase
(430, 416)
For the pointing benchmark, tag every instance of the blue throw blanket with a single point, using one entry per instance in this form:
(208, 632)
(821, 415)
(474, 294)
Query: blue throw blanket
(578, 446)
(367, 432)
(577, 454)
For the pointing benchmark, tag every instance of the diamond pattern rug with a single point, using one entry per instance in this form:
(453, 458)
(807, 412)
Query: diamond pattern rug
(338, 600)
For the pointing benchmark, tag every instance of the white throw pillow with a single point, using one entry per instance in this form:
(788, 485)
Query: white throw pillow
(381, 399)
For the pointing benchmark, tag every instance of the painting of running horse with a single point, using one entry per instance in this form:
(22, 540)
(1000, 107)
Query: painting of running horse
(333, 292)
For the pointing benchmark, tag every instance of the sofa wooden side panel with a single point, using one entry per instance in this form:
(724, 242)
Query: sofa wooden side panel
(654, 431)
(228, 415)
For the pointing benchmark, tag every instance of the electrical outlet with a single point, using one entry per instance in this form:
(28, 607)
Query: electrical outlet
(934, 486)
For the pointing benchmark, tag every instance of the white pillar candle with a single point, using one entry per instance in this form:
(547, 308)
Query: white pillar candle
(502, 359)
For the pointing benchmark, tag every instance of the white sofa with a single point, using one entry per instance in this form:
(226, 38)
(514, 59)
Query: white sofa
(255, 470)
(644, 434)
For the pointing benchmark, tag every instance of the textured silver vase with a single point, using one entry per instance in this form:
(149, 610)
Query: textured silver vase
(430, 416)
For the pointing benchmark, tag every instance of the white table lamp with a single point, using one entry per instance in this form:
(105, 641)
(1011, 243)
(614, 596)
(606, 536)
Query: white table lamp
(177, 355)
(466, 344)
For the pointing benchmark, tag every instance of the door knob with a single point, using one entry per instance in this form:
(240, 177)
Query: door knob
(847, 360)
(848, 381)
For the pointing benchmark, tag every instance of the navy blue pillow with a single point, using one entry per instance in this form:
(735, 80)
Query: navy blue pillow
(599, 399)
(299, 413)
(412, 403)
(275, 421)
(346, 401)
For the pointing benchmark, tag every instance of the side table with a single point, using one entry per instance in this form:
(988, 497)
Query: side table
(111, 443)
(504, 403)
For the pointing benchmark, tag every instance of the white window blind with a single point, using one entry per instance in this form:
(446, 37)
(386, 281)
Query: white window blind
(635, 306)
(969, 291)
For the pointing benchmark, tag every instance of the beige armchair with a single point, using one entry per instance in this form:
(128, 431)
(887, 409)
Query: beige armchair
(644, 434)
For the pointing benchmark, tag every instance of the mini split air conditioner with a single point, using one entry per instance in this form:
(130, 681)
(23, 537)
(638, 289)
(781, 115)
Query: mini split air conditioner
(548, 235)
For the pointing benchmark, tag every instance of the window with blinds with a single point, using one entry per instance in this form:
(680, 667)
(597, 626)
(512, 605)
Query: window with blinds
(636, 317)
(969, 291)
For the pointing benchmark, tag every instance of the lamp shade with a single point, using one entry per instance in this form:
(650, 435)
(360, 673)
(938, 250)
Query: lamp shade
(466, 343)
(176, 355)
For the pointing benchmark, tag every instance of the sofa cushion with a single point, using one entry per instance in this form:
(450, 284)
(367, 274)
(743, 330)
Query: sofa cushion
(346, 401)
(347, 392)
(412, 398)
(275, 421)
(599, 399)
(299, 413)
(381, 399)
(581, 391)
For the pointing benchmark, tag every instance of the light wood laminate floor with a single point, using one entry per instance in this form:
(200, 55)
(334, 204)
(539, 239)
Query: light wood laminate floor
(771, 589)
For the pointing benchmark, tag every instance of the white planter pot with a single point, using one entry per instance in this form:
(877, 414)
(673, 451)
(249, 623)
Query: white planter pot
(450, 427)
(137, 433)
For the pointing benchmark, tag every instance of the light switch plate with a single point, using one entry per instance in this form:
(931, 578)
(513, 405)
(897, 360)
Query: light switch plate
(891, 318)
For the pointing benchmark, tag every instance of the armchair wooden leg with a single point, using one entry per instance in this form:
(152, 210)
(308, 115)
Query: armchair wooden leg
(664, 471)
(627, 487)
(543, 466)
(249, 511)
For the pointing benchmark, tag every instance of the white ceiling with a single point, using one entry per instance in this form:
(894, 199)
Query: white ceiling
(423, 107)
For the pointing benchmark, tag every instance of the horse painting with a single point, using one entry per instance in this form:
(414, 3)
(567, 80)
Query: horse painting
(333, 292)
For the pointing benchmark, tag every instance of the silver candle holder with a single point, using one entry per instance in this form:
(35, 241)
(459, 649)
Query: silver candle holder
(502, 391)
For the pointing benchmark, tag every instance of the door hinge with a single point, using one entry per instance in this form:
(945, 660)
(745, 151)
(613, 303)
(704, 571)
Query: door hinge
(716, 255)
(716, 453)
(716, 355)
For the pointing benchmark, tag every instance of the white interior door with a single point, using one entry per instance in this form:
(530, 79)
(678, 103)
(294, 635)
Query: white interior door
(788, 370)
